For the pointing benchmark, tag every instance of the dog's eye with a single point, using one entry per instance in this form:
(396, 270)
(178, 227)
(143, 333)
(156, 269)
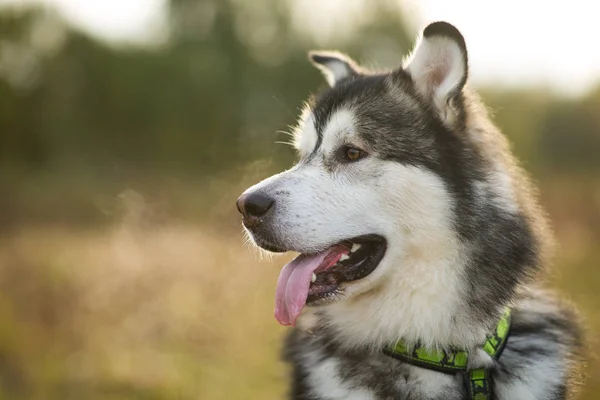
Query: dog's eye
(353, 154)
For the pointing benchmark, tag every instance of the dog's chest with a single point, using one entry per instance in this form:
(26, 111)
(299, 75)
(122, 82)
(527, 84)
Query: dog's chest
(333, 379)
(322, 375)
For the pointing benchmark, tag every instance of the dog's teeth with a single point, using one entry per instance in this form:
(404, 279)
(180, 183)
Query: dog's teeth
(344, 257)
(314, 277)
(355, 246)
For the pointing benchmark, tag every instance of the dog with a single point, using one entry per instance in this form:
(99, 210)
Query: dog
(421, 242)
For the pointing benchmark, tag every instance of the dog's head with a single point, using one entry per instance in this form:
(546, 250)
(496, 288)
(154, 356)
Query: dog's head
(396, 180)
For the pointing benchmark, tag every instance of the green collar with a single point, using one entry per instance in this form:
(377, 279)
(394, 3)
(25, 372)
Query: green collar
(455, 361)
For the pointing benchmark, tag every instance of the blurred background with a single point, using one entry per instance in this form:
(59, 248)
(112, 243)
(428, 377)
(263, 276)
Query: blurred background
(129, 127)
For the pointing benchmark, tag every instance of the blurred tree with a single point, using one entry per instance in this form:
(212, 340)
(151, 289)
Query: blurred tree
(231, 74)
(213, 95)
(570, 135)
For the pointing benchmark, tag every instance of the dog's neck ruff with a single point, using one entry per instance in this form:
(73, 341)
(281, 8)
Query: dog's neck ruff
(477, 380)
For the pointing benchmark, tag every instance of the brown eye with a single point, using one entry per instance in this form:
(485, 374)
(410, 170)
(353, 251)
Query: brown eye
(353, 154)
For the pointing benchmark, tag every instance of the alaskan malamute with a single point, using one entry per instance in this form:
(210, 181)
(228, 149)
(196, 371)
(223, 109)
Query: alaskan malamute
(420, 241)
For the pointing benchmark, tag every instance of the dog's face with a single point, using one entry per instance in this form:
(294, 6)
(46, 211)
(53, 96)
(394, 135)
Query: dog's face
(371, 206)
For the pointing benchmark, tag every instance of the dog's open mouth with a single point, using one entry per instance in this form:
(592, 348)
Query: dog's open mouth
(309, 278)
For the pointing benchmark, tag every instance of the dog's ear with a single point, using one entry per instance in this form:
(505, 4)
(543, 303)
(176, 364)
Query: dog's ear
(439, 66)
(335, 66)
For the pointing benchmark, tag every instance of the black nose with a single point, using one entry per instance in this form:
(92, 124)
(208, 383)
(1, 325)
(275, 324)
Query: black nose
(253, 205)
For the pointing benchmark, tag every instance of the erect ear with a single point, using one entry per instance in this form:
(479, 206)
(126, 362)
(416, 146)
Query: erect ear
(439, 66)
(335, 66)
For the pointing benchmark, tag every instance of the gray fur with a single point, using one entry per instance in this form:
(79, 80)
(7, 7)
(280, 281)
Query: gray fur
(501, 236)
(544, 337)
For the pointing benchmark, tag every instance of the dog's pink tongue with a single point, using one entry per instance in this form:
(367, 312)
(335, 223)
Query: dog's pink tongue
(294, 282)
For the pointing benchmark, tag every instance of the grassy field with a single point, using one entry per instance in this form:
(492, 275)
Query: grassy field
(175, 312)
(179, 311)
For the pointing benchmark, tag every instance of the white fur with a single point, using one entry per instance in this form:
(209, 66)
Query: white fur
(498, 189)
(326, 384)
(418, 290)
(305, 134)
(415, 291)
(535, 381)
(431, 384)
(478, 358)
(437, 67)
(418, 281)
(543, 371)
(505, 197)
(336, 71)
(336, 68)
(339, 130)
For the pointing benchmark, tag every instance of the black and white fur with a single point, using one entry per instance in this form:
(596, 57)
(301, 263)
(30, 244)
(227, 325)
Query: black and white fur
(464, 234)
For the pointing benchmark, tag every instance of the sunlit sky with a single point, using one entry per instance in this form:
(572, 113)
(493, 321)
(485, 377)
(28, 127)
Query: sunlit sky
(511, 42)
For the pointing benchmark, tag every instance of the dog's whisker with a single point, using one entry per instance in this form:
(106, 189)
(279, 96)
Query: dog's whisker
(286, 143)
(286, 133)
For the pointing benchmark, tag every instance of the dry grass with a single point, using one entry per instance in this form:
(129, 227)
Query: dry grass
(175, 311)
